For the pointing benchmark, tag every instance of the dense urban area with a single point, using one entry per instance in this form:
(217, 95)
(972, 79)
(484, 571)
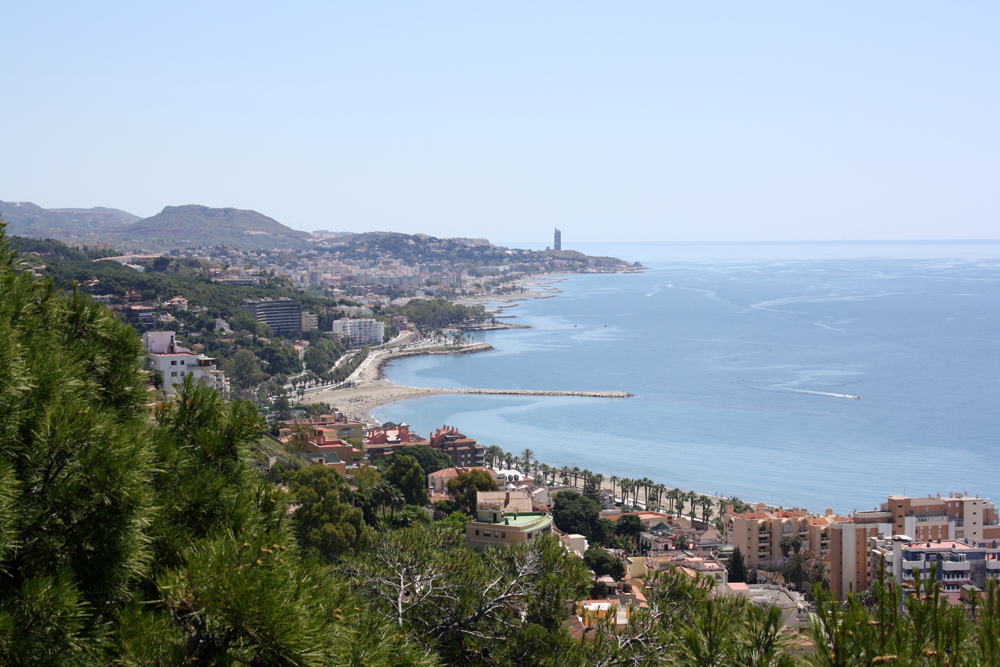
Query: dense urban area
(185, 478)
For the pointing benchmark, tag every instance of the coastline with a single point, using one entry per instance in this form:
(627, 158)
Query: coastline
(374, 390)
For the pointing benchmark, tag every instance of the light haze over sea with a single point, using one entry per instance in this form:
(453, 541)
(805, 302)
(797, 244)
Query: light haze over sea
(741, 358)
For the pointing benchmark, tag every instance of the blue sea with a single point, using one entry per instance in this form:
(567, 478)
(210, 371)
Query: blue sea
(742, 359)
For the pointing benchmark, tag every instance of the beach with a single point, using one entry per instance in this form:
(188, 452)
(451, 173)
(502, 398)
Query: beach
(371, 389)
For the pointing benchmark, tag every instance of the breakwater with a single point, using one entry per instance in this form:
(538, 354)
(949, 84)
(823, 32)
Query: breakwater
(383, 359)
(533, 392)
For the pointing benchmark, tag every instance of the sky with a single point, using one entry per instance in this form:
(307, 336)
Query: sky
(639, 121)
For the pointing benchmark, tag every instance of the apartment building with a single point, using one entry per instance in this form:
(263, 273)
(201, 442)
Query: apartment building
(175, 363)
(360, 331)
(464, 451)
(848, 555)
(283, 315)
(957, 517)
(503, 518)
(758, 534)
(310, 322)
(954, 563)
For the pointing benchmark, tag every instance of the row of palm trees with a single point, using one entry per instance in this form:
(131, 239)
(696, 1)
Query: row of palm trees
(654, 496)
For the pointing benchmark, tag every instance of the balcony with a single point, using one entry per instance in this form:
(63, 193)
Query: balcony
(953, 566)
(923, 518)
(763, 534)
(993, 565)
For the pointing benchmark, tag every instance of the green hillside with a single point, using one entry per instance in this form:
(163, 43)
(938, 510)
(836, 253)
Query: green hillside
(194, 225)
(67, 224)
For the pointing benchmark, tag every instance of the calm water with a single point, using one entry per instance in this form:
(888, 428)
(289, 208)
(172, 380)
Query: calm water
(741, 358)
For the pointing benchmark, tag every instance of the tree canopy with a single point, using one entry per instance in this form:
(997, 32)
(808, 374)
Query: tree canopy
(430, 459)
(574, 513)
(406, 475)
(464, 487)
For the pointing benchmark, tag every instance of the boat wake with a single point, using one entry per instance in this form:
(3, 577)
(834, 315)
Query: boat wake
(821, 393)
(659, 288)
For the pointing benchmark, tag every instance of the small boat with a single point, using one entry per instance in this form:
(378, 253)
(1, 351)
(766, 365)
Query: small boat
(856, 396)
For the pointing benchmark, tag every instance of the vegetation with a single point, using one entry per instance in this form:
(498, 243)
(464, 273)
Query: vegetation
(574, 513)
(429, 315)
(131, 541)
(431, 460)
(405, 474)
(130, 538)
(464, 487)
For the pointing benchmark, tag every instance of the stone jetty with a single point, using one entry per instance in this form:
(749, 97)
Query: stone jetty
(533, 392)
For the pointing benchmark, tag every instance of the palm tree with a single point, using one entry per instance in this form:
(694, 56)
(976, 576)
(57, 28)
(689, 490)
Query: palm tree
(660, 490)
(576, 474)
(820, 574)
(508, 459)
(626, 486)
(527, 455)
(675, 496)
(614, 482)
(723, 502)
(680, 504)
(706, 508)
(693, 497)
(544, 468)
(796, 570)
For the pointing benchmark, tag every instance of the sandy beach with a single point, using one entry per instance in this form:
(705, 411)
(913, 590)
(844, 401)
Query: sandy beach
(371, 389)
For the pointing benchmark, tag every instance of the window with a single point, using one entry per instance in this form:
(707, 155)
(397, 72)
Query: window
(174, 374)
(503, 536)
(182, 362)
(173, 362)
(477, 532)
(486, 533)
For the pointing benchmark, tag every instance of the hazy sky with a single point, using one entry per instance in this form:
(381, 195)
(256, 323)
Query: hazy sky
(629, 121)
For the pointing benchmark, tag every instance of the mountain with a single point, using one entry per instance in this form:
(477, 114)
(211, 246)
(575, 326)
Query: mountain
(194, 225)
(67, 224)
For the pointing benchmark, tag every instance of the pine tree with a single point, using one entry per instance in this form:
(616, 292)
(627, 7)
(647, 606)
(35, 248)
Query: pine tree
(738, 568)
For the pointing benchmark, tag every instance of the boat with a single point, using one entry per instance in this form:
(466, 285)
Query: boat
(856, 396)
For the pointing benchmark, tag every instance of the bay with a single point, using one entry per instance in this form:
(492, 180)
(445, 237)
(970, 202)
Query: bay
(742, 359)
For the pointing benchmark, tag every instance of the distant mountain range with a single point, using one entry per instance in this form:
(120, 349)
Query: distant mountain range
(27, 219)
(173, 227)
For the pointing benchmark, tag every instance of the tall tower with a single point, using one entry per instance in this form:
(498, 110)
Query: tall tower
(557, 243)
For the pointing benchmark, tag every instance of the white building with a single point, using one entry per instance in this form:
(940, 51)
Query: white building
(310, 321)
(361, 332)
(176, 363)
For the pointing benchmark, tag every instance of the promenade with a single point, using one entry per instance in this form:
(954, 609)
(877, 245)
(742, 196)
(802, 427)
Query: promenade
(371, 389)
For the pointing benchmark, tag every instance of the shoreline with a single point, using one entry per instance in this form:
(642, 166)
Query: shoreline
(374, 390)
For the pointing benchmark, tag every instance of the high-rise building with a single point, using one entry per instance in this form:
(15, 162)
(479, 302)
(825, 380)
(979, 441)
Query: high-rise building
(557, 241)
(360, 331)
(283, 315)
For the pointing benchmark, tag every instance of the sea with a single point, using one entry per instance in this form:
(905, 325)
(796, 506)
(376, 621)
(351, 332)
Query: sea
(744, 360)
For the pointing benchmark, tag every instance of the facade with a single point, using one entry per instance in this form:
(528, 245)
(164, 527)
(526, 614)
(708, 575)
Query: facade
(360, 331)
(464, 451)
(691, 564)
(500, 520)
(557, 240)
(957, 517)
(175, 363)
(310, 321)
(758, 534)
(284, 315)
(954, 563)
